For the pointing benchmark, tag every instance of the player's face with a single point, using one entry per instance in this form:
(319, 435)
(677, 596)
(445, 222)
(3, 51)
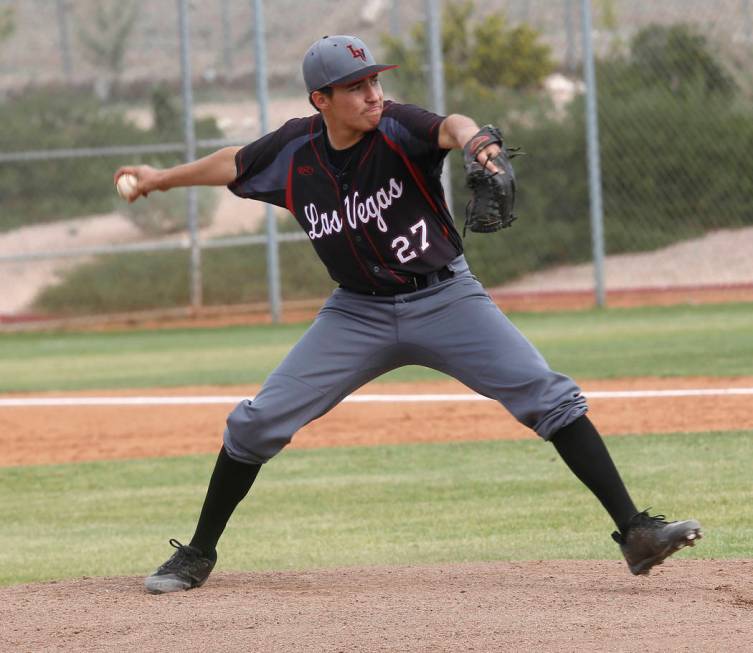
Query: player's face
(358, 106)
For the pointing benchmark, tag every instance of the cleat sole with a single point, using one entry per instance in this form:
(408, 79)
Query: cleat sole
(643, 567)
(670, 538)
(166, 584)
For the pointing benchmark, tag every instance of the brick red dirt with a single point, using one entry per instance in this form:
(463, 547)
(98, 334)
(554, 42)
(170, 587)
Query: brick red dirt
(699, 605)
(37, 435)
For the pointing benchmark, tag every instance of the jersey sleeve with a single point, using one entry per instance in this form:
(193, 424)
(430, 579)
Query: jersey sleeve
(262, 167)
(416, 131)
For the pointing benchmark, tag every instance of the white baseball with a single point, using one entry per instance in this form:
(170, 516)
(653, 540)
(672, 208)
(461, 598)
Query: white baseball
(127, 185)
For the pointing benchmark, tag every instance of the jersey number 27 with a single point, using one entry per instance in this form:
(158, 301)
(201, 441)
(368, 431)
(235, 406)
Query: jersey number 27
(404, 248)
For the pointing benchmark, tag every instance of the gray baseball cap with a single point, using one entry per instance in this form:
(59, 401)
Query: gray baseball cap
(335, 60)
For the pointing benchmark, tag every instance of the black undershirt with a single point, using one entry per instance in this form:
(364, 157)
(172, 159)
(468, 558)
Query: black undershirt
(341, 160)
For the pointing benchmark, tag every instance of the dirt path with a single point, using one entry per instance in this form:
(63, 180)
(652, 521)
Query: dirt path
(719, 258)
(36, 435)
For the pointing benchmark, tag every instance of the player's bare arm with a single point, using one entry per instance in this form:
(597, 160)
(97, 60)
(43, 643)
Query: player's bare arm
(216, 169)
(455, 132)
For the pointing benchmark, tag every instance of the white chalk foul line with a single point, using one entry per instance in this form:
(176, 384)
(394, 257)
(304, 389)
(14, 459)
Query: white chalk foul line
(21, 402)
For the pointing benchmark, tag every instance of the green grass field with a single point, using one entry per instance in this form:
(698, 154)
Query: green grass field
(381, 505)
(712, 340)
(373, 505)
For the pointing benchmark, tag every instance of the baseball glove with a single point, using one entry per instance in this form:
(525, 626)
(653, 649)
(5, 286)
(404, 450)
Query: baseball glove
(492, 193)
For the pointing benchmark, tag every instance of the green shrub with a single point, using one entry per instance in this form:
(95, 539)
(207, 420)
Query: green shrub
(47, 191)
(7, 22)
(671, 168)
(673, 140)
(678, 57)
(670, 171)
(673, 144)
(480, 55)
(42, 191)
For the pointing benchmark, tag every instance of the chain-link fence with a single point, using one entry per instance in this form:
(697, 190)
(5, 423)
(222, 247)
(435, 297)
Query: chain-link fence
(88, 86)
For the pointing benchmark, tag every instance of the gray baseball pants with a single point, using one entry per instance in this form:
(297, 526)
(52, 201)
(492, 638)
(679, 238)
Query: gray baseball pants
(452, 326)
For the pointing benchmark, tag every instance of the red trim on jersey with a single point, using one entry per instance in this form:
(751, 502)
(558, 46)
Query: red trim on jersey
(368, 152)
(238, 164)
(417, 176)
(360, 262)
(316, 153)
(289, 189)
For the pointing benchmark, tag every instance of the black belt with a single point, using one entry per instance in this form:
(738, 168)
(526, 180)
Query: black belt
(414, 282)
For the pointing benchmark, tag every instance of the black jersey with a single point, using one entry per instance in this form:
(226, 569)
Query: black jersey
(376, 220)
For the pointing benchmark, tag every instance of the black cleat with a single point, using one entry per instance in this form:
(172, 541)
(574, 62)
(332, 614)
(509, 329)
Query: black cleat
(185, 569)
(649, 540)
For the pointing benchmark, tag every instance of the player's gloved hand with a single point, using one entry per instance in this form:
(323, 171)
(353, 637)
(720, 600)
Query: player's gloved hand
(491, 180)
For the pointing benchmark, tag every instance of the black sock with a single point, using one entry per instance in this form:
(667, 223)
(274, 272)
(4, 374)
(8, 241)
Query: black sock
(230, 482)
(585, 453)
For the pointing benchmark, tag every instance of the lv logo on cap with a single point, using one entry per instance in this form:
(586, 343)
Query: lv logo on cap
(357, 53)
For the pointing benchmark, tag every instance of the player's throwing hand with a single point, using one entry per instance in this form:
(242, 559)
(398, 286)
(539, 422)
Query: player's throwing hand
(133, 182)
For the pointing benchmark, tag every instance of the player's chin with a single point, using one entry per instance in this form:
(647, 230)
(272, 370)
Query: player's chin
(373, 116)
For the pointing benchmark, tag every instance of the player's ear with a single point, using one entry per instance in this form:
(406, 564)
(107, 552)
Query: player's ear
(320, 100)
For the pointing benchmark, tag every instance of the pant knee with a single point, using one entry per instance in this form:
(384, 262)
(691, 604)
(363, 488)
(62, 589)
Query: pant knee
(549, 404)
(560, 416)
(251, 438)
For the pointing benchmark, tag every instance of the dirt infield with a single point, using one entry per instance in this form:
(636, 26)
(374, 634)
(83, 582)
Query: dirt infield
(699, 605)
(45, 435)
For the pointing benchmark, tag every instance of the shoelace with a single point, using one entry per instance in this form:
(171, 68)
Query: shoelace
(641, 519)
(178, 558)
(654, 520)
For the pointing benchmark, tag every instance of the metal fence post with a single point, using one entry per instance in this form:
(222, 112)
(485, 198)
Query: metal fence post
(436, 78)
(594, 165)
(190, 140)
(273, 265)
(65, 41)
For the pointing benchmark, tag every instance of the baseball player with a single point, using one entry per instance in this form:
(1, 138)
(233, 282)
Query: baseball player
(362, 177)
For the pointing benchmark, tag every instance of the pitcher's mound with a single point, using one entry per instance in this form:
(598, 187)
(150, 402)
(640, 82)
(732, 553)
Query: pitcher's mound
(498, 606)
